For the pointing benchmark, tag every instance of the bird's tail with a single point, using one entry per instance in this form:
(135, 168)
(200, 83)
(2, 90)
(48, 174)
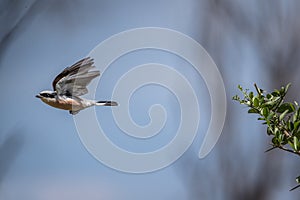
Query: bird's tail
(106, 103)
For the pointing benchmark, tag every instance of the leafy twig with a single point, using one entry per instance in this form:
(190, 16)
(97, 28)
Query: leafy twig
(282, 118)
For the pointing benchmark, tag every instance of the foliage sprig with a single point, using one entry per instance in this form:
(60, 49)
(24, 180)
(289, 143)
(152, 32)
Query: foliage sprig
(281, 118)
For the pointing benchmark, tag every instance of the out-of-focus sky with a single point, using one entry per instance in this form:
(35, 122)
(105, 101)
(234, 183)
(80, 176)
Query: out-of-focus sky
(47, 159)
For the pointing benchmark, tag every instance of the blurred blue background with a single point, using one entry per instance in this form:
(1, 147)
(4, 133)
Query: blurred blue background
(41, 155)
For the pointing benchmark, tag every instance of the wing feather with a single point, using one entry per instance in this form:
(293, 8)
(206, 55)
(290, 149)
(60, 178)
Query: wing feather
(73, 80)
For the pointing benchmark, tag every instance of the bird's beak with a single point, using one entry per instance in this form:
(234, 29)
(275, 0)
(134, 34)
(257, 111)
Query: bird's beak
(38, 96)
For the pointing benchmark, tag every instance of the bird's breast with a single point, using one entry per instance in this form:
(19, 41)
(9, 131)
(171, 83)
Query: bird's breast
(63, 103)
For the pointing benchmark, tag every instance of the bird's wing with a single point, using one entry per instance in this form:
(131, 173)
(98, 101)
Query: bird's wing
(73, 80)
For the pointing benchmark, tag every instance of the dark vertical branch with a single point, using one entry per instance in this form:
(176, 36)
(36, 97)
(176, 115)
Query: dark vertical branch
(13, 22)
(9, 150)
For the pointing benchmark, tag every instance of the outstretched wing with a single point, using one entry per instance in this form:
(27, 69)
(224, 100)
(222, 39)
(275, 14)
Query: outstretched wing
(73, 80)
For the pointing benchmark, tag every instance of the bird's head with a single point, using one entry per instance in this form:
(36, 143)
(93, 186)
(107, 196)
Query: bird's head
(47, 95)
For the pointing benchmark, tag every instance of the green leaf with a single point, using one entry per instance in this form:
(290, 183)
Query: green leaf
(251, 95)
(275, 141)
(281, 138)
(255, 102)
(298, 113)
(282, 91)
(265, 112)
(287, 87)
(295, 139)
(276, 93)
(297, 134)
(271, 115)
(296, 126)
(240, 87)
(273, 100)
(269, 131)
(283, 115)
(286, 106)
(253, 110)
(236, 98)
(290, 126)
(295, 116)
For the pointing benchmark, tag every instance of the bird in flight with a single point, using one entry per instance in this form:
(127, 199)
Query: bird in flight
(70, 84)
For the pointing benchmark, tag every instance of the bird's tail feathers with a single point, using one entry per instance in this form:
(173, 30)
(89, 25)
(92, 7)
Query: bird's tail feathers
(106, 103)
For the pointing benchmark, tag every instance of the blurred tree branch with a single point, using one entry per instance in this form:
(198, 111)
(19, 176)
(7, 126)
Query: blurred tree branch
(15, 15)
(9, 149)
